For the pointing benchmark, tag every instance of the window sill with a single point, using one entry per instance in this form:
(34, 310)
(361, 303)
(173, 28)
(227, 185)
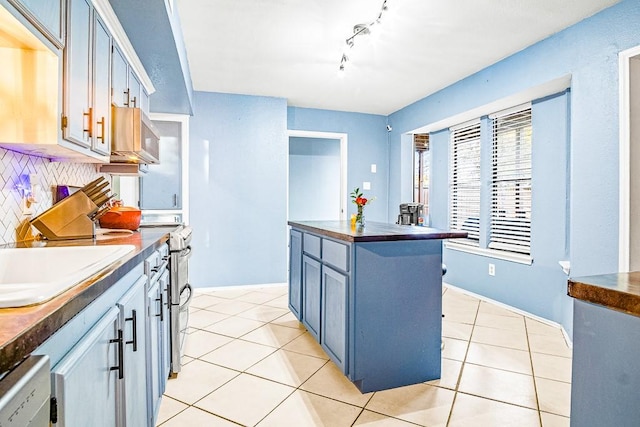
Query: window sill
(491, 253)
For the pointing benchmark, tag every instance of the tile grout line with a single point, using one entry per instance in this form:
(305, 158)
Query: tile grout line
(464, 361)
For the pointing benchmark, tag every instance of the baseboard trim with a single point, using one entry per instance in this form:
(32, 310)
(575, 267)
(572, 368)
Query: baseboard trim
(514, 309)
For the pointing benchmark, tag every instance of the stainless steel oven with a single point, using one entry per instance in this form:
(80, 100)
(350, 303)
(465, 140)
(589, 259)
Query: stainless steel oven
(180, 293)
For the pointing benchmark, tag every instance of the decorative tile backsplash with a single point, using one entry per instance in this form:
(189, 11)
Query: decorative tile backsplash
(49, 174)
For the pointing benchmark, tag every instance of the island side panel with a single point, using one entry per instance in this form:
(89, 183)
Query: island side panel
(396, 313)
(605, 367)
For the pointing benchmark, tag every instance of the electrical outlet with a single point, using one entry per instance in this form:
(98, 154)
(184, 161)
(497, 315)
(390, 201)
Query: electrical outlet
(492, 269)
(366, 185)
(27, 206)
(374, 168)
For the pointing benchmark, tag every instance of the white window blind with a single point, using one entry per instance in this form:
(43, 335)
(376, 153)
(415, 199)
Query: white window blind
(510, 222)
(464, 182)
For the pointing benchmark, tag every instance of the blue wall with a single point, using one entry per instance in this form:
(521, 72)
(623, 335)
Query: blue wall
(314, 179)
(238, 193)
(367, 144)
(589, 233)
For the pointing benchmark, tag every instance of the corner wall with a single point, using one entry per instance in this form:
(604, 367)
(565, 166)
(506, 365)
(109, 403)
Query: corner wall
(588, 51)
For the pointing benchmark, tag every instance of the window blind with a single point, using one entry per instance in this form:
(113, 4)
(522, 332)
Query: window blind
(510, 221)
(464, 181)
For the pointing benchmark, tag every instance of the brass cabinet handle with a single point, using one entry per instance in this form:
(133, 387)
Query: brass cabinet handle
(89, 115)
(101, 123)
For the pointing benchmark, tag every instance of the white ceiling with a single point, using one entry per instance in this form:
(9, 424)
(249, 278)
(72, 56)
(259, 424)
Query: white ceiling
(292, 48)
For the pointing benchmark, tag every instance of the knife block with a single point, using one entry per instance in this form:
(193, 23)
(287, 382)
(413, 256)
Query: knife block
(68, 219)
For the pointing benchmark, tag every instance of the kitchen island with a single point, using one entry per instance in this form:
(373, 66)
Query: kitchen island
(606, 345)
(371, 297)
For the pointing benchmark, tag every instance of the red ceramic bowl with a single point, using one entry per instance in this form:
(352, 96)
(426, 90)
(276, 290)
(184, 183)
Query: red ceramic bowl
(121, 217)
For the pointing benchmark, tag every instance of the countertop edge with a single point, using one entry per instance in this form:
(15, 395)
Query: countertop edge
(611, 298)
(14, 350)
(425, 234)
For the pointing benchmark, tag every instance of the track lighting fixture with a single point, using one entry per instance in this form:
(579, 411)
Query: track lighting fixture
(361, 29)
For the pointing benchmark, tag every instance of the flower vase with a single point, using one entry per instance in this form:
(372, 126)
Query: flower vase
(360, 217)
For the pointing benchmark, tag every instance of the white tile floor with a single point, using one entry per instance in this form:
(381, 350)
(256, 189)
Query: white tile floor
(249, 362)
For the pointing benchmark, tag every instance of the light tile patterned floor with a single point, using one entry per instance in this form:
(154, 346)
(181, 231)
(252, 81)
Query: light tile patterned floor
(249, 362)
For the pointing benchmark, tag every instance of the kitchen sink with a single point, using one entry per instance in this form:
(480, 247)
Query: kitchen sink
(35, 275)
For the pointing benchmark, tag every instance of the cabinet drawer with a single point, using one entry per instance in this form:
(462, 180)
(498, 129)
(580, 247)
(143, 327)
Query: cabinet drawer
(311, 245)
(336, 254)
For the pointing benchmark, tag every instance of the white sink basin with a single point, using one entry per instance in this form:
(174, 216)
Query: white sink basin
(35, 275)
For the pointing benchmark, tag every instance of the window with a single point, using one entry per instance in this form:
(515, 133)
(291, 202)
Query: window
(421, 170)
(464, 181)
(510, 216)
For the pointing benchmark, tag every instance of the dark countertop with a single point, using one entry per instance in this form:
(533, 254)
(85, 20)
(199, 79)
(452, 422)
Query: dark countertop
(23, 329)
(374, 231)
(617, 291)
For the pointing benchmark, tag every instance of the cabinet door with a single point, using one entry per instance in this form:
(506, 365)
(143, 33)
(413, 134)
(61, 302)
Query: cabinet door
(295, 273)
(311, 289)
(87, 374)
(119, 75)
(144, 100)
(161, 186)
(154, 345)
(101, 123)
(77, 58)
(334, 316)
(134, 89)
(46, 16)
(165, 337)
(132, 322)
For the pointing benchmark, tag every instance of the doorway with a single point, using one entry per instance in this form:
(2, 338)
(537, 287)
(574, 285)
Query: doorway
(629, 234)
(317, 176)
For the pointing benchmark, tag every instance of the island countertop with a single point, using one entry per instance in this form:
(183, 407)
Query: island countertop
(617, 291)
(374, 231)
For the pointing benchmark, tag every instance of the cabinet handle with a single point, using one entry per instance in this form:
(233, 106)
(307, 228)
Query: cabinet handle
(89, 115)
(134, 324)
(128, 95)
(120, 366)
(101, 123)
(135, 101)
(161, 299)
(175, 200)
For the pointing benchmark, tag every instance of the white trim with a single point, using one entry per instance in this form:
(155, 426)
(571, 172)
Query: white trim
(511, 110)
(238, 287)
(490, 253)
(533, 93)
(183, 119)
(468, 123)
(343, 162)
(514, 309)
(120, 37)
(624, 158)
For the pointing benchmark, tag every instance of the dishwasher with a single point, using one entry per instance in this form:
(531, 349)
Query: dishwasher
(25, 393)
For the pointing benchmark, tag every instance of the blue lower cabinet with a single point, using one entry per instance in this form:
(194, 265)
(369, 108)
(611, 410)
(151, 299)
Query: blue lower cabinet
(311, 288)
(333, 337)
(91, 370)
(295, 273)
(375, 307)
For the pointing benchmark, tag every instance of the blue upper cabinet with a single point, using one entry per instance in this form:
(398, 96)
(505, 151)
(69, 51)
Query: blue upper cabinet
(46, 16)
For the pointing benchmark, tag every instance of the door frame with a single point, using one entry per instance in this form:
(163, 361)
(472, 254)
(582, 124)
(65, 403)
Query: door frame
(343, 162)
(183, 119)
(624, 239)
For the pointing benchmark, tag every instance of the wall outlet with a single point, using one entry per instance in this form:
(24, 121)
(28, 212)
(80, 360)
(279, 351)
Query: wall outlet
(366, 185)
(374, 168)
(492, 269)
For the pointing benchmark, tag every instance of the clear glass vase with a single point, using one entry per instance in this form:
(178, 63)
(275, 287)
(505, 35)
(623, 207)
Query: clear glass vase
(360, 217)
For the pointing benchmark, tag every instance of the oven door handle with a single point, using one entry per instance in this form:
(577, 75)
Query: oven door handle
(190, 289)
(185, 254)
